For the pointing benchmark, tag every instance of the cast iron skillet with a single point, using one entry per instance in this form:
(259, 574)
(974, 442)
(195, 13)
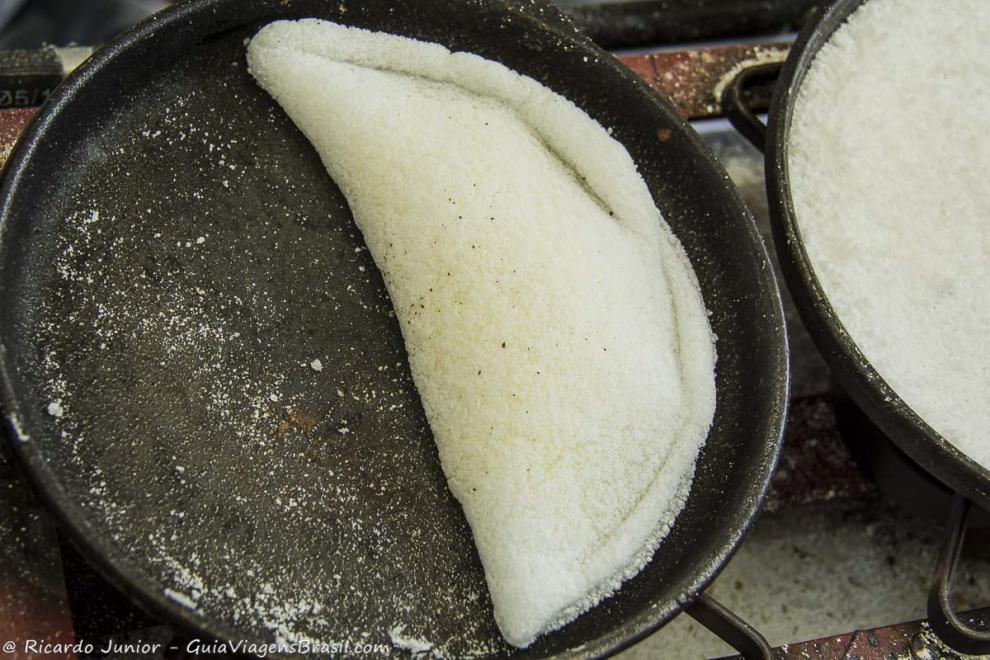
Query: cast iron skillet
(174, 260)
(856, 375)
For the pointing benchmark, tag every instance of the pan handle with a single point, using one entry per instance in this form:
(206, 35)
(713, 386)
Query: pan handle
(732, 630)
(740, 115)
(945, 621)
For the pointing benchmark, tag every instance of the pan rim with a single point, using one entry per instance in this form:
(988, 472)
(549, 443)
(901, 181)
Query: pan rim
(881, 403)
(138, 585)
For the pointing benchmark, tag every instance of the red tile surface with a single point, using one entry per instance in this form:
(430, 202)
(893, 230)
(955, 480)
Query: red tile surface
(693, 79)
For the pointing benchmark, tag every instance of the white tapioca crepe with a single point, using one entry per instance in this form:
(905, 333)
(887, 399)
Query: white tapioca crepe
(555, 329)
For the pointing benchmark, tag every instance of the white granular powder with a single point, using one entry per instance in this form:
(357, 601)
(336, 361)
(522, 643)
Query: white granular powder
(403, 641)
(555, 329)
(890, 175)
(55, 409)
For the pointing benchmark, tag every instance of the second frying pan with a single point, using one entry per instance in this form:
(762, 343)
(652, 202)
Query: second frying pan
(967, 480)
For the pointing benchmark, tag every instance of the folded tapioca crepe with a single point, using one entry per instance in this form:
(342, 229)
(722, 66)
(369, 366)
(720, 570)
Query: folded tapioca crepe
(555, 329)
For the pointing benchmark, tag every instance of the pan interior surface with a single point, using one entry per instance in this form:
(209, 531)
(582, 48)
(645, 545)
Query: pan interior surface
(210, 379)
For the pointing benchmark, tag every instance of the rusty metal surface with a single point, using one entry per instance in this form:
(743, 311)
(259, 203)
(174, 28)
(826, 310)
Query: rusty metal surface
(913, 640)
(12, 122)
(694, 79)
(33, 599)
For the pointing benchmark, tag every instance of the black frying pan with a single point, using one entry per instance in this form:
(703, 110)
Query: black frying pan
(173, 261)
(857, 376)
